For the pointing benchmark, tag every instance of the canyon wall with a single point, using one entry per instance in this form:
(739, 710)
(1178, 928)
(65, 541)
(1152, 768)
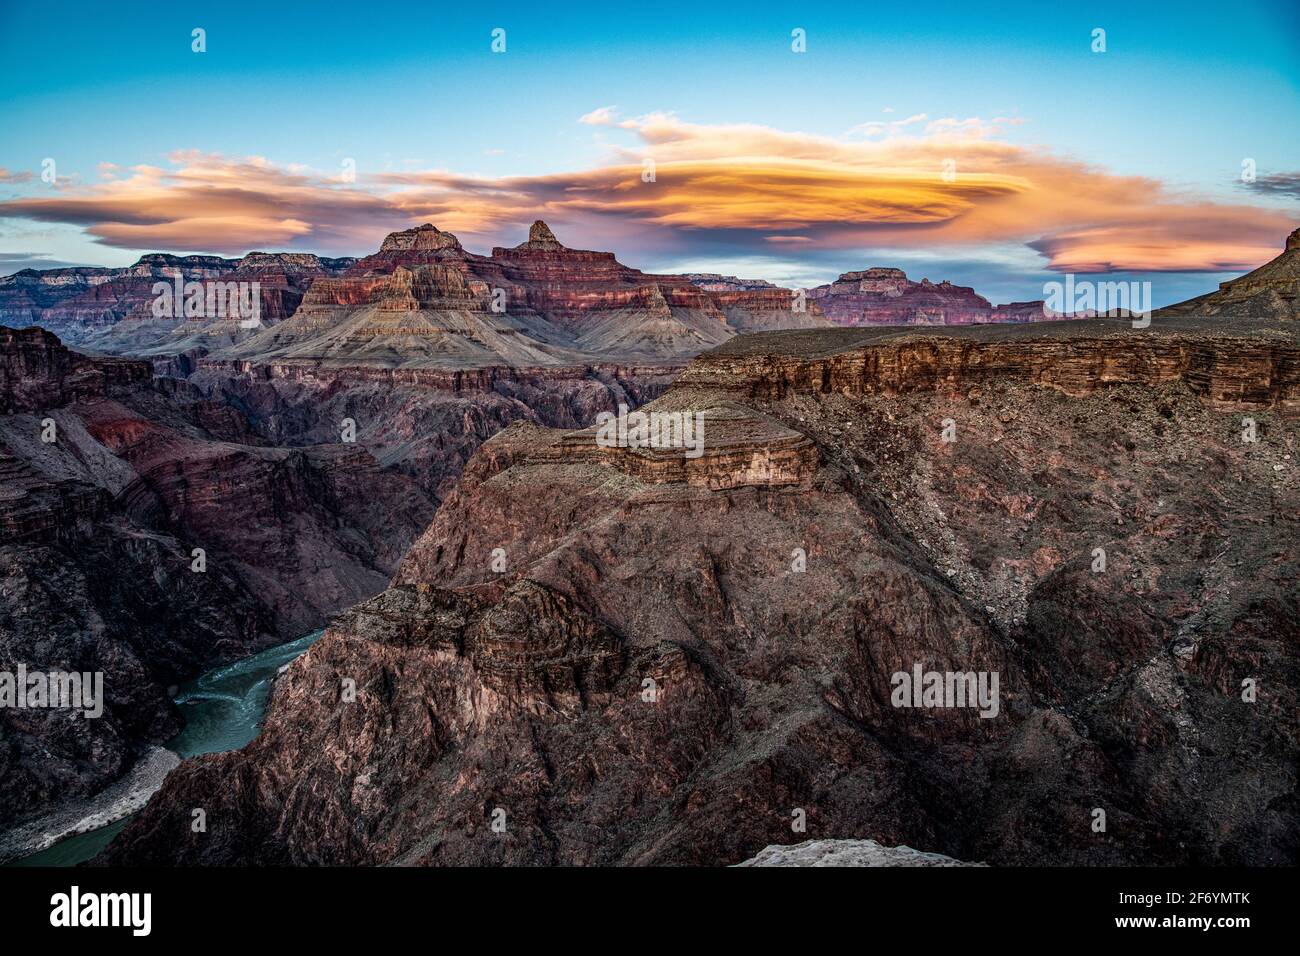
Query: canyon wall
(1227, 370)
(590, 657)
(109, 481)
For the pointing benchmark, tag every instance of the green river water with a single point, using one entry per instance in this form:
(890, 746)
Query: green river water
(223, 711)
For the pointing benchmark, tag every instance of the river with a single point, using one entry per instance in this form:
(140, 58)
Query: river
(223, 710)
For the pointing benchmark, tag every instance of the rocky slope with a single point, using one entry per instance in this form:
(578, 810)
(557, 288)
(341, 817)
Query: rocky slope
(109, 479)
(618, 655)
(424, 423)
(320, 525)
(89, 586)
(1272, 290)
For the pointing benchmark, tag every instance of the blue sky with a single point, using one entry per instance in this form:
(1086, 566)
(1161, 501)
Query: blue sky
(1181, 96)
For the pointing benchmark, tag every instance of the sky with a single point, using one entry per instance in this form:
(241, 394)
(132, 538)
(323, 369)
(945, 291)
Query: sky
(993, 146)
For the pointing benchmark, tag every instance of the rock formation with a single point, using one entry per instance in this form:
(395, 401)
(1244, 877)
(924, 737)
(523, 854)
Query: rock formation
(889, 297)
(848, 853)
(1232, 368)
(423, 422)
(592, 657)
(606, 307)
(109, 479)
(767, 310)
(25, 295)
(421, 301)
(713, 282)
(111, 310)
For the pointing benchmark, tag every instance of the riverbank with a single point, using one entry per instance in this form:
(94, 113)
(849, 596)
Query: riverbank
(116, 802)
(223, 710)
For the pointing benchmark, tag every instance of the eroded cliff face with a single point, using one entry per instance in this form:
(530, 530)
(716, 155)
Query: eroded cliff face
(590, 657)
(421, 422)
(319, 525)
(88, 585)
(109, 481)
(1255, 363)
(111, 310)
(27, 293)
(888, 297)
(37, 371)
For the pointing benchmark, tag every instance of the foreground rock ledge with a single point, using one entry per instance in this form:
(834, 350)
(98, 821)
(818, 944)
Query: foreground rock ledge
(849, 853)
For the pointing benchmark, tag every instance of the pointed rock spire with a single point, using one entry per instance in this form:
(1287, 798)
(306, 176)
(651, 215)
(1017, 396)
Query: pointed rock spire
(541, 237)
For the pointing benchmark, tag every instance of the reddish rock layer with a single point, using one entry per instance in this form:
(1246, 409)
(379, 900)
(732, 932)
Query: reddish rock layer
(888, 297)
(89, 308)
(37, 371)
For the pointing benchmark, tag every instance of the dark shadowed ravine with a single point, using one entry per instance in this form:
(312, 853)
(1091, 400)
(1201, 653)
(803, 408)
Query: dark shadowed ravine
(223, 711)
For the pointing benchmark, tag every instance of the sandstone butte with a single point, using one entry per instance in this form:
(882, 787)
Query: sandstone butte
(888, 297)
(682, 652)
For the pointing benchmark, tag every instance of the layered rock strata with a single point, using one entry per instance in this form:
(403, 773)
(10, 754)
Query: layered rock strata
(109, 482)
(584, 661)
(888, 297)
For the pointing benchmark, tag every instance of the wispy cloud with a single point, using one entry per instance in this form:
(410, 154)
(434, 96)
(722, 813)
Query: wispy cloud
(887, 127)
(684, 189)
(1278, 184)
(601, 116)
(11, 262)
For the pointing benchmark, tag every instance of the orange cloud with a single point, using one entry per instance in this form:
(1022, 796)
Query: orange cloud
(680, 185)
(208, 203)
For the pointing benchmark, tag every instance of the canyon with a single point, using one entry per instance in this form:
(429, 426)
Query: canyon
(110, 310)
(634, 656)
(99, 524)
(593, 657)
